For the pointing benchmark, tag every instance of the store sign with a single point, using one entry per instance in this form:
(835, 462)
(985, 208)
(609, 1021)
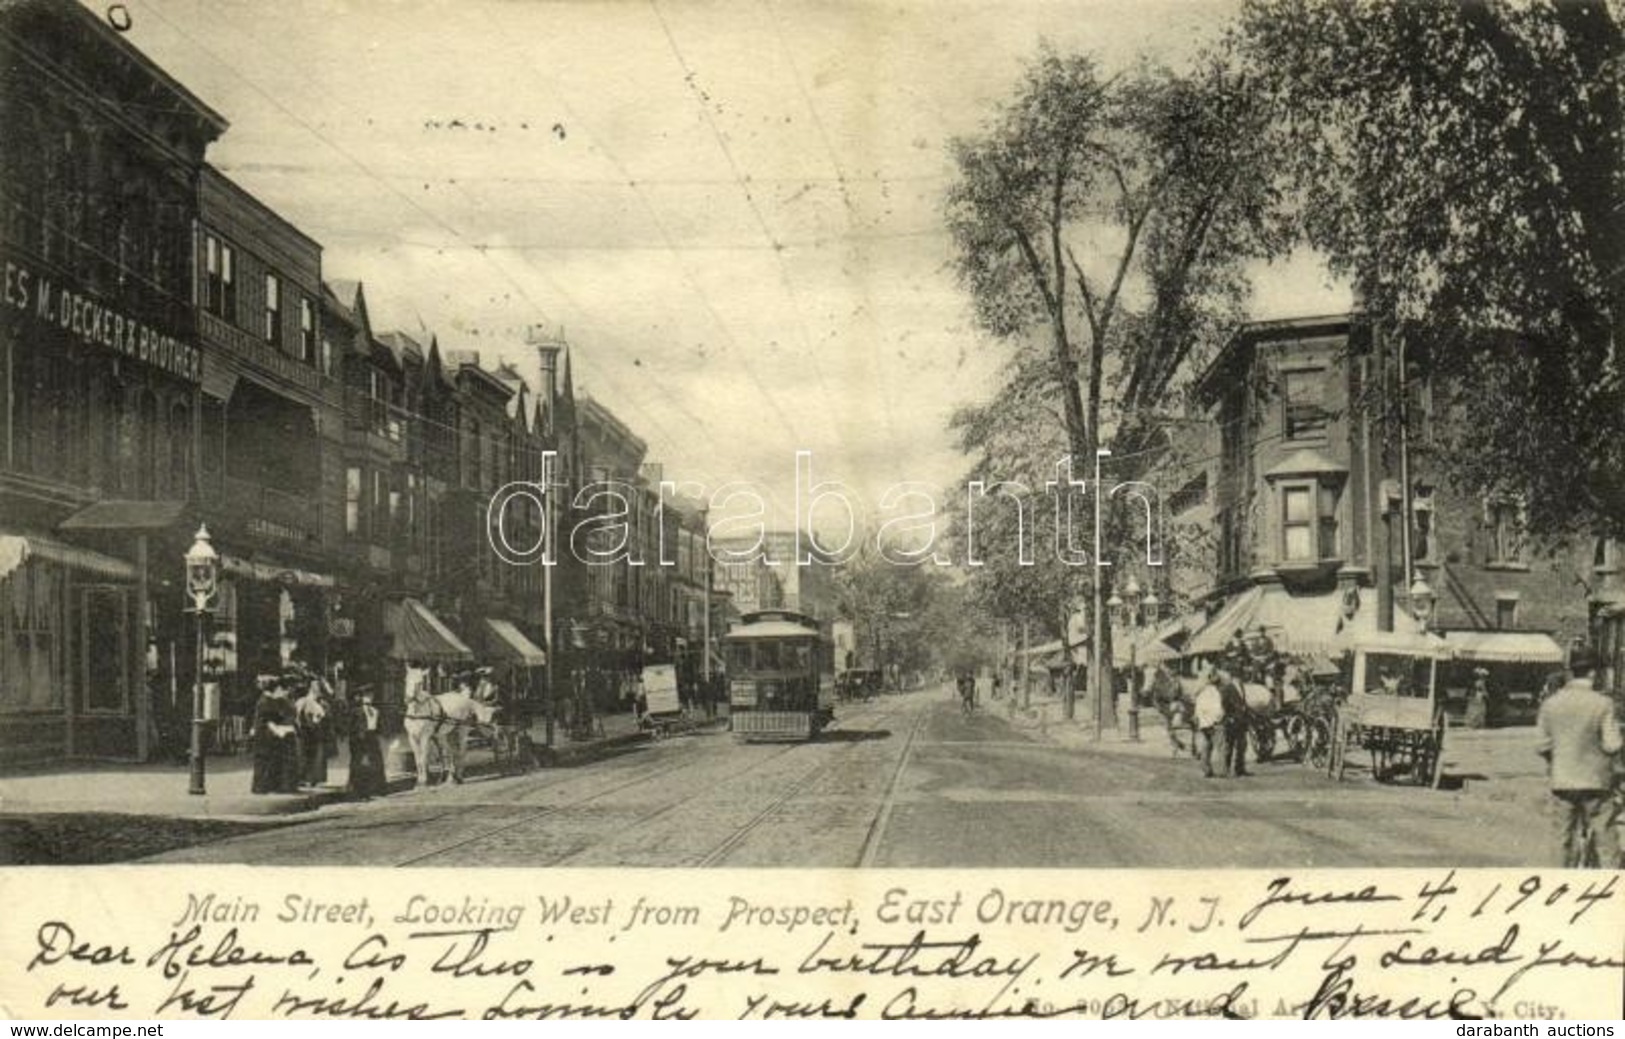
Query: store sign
(88, 319)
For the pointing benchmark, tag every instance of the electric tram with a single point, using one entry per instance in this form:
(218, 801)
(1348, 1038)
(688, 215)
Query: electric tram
(781, 676)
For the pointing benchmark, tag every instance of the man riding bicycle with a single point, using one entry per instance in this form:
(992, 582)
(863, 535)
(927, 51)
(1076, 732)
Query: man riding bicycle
(1579, 739)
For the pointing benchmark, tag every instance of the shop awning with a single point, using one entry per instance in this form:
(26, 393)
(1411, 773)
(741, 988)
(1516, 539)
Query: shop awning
(1506, 647)
(1299, 624)
(511, 643)
(417, 634)
(17, 549)
(126, 515)
(273, 573)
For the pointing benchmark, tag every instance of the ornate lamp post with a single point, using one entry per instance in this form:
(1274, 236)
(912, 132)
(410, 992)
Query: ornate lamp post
(1128, 606)
(202, 583)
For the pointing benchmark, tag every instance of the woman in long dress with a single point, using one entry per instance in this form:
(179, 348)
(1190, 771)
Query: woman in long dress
(276, 765)
(313, 723)
(366, 755)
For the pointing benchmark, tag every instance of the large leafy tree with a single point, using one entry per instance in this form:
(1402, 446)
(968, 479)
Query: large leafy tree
(1464, 163)
(1099, 224)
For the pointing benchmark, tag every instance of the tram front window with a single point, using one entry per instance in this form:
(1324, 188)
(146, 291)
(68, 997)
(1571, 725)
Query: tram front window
(798, 658)
(767, 656)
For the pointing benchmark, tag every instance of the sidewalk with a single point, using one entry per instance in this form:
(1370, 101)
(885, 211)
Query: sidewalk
(160, 789)
(1497, 764)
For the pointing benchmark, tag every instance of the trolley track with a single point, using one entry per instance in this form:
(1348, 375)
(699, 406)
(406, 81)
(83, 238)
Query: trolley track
(542, 812)
(721, 851)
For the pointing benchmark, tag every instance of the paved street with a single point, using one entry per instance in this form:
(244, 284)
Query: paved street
(906, 781)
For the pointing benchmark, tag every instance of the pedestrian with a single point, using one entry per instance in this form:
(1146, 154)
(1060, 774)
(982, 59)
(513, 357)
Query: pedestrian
(310, 715)
(1580, 741)
(366, 752)
(485, 690)
(276, 760)
(1236, 719)
(1208, 710)
(1478, 701)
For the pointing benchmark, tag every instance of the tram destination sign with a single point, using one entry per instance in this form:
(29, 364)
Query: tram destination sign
(57, 304)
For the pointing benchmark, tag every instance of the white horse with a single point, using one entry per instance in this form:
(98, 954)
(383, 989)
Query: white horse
(444, 721)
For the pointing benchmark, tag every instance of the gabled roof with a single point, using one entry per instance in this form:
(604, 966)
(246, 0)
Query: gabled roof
(466, 364)
(402, 346)
(341, 296)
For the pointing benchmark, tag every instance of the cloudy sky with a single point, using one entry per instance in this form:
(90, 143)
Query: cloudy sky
(732, 210)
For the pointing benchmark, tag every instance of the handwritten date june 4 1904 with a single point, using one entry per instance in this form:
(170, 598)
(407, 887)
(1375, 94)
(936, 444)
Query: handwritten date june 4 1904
(1402, 946)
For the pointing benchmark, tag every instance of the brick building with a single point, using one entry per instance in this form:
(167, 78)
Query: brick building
(1318, 536)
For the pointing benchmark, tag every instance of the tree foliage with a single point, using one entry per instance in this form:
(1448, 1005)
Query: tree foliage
(1464, 163)
(1099, 225)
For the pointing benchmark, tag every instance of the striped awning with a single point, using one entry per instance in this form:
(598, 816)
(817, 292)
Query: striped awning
(272, 573)
(511, 643)
(417, 634)
(1319, 623)
(1506, 647)
(17, 549)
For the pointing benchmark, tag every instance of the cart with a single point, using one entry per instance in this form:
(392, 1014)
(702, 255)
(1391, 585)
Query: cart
(1393, 709)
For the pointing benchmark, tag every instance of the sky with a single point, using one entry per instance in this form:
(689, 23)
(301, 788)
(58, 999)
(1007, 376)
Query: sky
(731, 211)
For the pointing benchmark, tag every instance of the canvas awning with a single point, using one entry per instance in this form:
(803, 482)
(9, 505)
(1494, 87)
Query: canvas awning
(512, 643)
(17, 549)
(1297, 624)
(417, 634)
(273, 573)
(126, 515)
(1506, 647)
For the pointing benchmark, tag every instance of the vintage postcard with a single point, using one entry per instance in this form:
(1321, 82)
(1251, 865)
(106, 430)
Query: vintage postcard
(546, 509)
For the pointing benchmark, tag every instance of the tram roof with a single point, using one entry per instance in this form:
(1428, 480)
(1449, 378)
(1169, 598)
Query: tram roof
(772, 629)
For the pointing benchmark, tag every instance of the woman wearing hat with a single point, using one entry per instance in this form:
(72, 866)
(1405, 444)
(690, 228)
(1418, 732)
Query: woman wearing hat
(276, 756)
(311, 713)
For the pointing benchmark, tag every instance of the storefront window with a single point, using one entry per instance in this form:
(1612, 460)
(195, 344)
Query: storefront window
(30, 626)
(103, 651)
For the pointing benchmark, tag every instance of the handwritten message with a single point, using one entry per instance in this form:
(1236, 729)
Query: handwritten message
(509, 945)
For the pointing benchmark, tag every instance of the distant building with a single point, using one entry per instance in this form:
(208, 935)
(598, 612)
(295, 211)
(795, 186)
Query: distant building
(762, 573)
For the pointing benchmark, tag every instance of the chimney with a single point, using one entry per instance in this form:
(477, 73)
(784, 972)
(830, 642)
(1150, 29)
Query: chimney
(547, 348)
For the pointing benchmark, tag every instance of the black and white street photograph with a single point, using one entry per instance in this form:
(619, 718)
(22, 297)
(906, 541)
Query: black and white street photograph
(1101, 434)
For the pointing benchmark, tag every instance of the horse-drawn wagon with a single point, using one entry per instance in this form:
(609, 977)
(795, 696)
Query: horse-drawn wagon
(1393, 709)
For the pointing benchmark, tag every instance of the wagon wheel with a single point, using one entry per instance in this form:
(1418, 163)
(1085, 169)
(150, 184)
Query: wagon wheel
(1296, 731)
(1264, 739)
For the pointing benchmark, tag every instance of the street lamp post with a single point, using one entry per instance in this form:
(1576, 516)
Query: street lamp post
(202, 583)
(1129, 605)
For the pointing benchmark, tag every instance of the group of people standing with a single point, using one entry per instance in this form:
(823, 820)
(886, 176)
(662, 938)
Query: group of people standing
(298, 720)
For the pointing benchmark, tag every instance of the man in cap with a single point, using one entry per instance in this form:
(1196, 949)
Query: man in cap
(1580, 741)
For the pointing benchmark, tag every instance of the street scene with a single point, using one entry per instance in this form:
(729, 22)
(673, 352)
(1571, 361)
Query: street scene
(661, 435)
(906, 782)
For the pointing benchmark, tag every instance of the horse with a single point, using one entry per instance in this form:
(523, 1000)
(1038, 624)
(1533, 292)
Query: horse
(1174, 699)
(443, 721)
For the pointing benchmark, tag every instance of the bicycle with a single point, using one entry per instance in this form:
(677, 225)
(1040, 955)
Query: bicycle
(1587, 827)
